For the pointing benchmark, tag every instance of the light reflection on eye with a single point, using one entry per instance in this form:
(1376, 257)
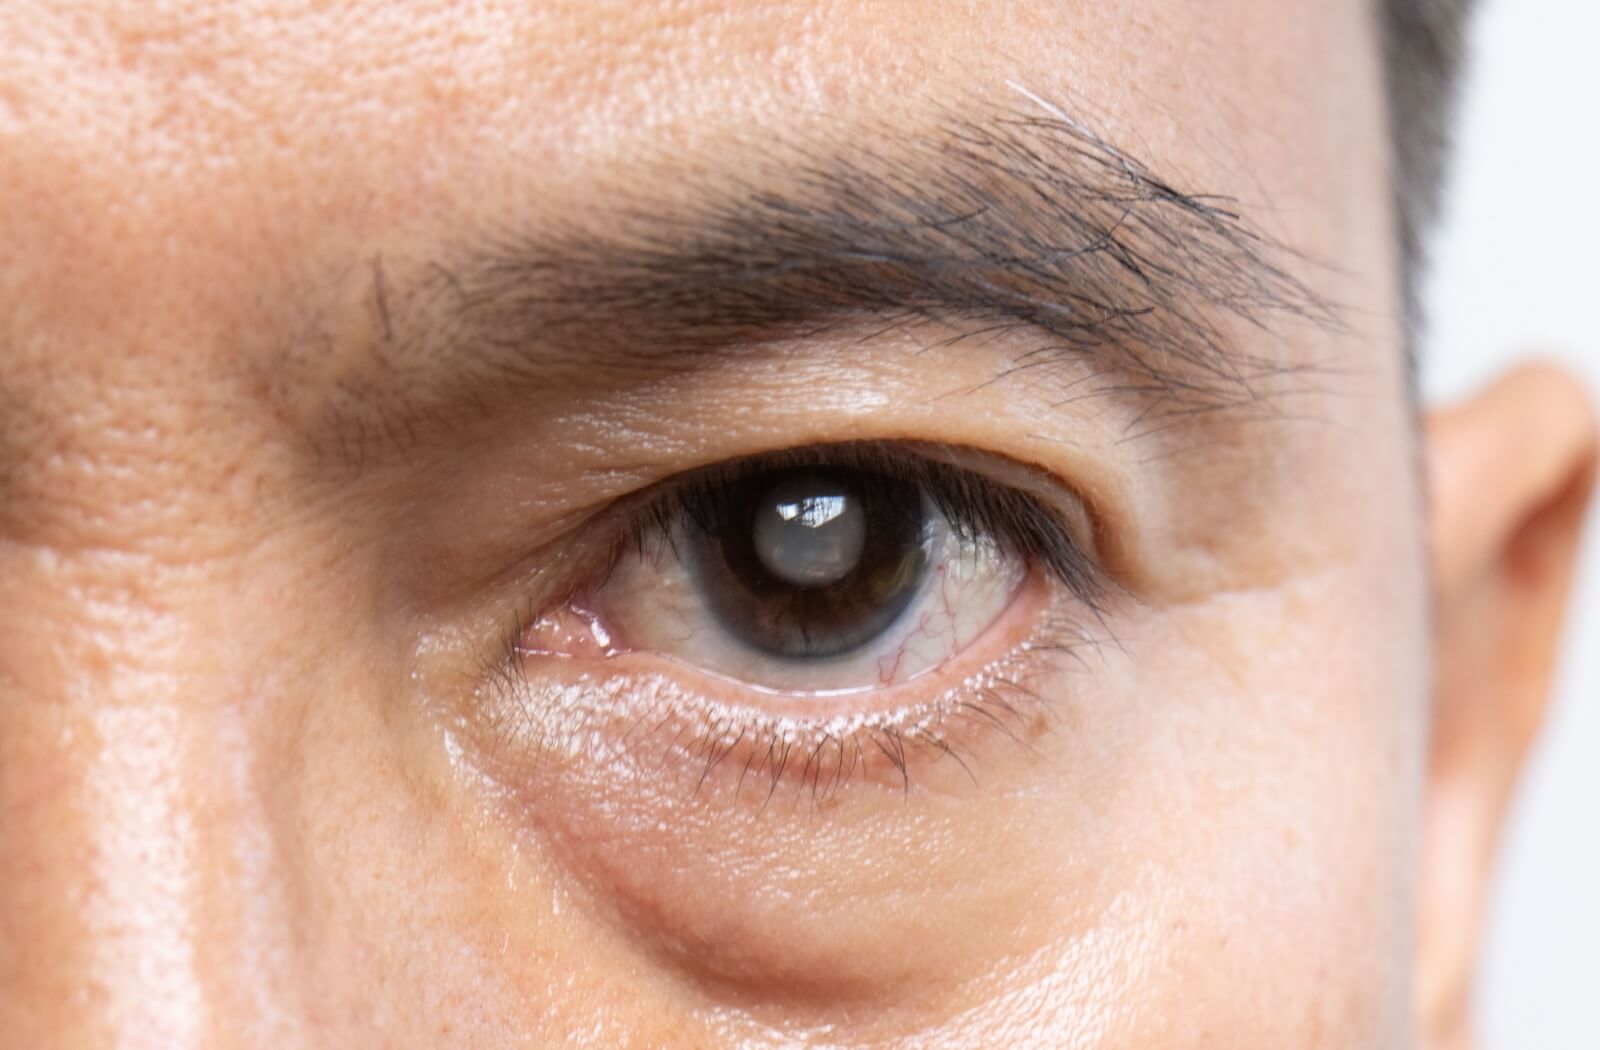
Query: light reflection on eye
(813, 511)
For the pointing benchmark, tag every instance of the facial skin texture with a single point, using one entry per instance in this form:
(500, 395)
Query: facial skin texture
(256, 783)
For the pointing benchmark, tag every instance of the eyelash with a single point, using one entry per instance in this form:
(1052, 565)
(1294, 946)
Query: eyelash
(822, 757)
(974, 505)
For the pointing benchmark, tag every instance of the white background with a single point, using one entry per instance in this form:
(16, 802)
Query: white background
(1517, 271)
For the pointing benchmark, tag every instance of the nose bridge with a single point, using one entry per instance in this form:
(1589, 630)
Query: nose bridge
(117, 731)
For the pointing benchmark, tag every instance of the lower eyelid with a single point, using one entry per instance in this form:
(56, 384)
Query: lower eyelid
(583, 638)
(661, 717)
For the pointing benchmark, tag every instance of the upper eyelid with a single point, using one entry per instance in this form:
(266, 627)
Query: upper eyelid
(579, 548)
(1070, 528)
(910, 458)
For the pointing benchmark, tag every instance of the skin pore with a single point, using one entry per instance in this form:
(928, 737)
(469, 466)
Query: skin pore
(343, 341)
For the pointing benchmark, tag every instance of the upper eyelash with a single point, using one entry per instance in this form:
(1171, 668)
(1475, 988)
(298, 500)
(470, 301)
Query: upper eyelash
(975, 506)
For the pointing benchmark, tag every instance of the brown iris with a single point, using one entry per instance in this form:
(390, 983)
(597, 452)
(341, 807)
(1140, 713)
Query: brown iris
(809, 563)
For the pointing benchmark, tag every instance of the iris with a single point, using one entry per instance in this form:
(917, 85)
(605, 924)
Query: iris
(812, 563)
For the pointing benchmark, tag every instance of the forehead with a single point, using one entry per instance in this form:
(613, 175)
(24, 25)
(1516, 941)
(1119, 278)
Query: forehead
(194, 96)
(679, 59)
(184, 171)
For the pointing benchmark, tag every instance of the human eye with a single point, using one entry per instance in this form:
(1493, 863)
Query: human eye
(814, 615)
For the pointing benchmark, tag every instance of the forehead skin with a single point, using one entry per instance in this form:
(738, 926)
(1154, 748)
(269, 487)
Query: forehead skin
(223, 824)
(229, 134)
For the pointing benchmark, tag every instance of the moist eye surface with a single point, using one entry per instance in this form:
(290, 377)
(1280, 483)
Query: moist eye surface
(814, 573)
(812, 562)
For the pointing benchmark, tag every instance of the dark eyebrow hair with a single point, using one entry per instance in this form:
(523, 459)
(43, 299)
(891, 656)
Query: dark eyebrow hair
(1005, 219)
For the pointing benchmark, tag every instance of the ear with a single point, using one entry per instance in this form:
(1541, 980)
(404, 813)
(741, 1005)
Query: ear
(1510, 474)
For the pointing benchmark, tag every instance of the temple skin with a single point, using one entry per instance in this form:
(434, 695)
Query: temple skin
(255, 786)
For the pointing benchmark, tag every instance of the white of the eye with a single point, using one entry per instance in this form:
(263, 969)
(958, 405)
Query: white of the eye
(807, 535)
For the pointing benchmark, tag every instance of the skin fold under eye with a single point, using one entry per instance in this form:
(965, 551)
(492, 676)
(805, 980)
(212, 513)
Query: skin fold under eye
(848, 601)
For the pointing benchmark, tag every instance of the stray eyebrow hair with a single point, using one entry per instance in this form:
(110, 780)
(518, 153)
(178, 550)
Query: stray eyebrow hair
(999, 218)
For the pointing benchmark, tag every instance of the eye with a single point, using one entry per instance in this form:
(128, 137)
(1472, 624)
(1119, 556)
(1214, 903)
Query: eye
(827, 570)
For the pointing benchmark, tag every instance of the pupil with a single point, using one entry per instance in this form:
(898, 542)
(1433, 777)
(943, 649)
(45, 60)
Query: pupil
(809, 532)
(808, 563)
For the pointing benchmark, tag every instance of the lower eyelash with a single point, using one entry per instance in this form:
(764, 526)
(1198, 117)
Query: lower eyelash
(654, 725)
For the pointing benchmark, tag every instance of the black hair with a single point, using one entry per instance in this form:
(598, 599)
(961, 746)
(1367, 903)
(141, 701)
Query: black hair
(1424, 42)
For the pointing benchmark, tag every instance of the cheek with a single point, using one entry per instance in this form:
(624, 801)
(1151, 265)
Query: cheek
(399, 913)
(1267, 814)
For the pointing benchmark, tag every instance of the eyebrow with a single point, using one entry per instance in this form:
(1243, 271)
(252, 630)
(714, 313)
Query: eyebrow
(1005, 219)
